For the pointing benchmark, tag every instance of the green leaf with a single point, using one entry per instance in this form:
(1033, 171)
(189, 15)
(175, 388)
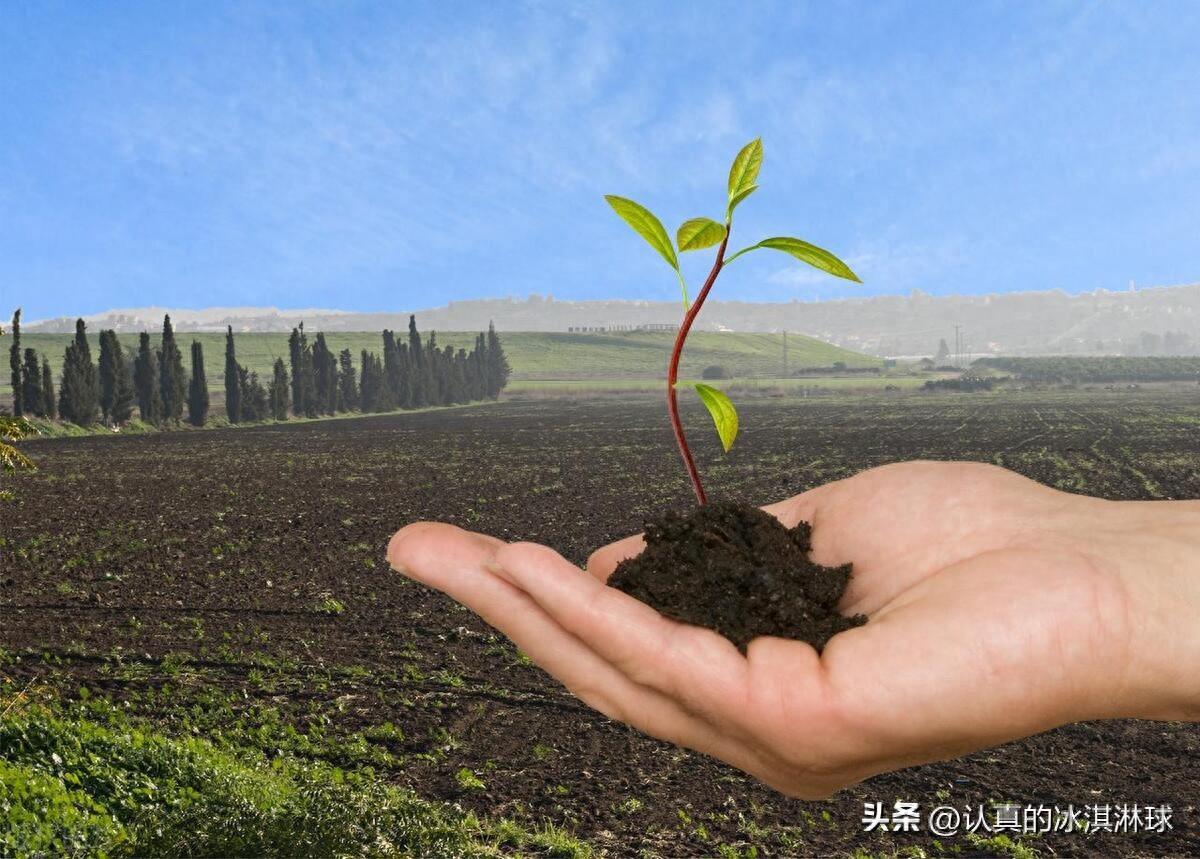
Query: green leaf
(737, 198)
(645, 225)
(699, 233)
(723, 413)
(811, 254)
(744, 171)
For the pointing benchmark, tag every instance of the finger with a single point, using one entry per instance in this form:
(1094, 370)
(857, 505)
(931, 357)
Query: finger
(604, 560)
(453, 561)
(697, 667)
(436, 553)
(802, 507)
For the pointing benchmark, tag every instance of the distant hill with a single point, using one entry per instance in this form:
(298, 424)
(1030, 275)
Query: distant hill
(1159, 320)
(533, 355)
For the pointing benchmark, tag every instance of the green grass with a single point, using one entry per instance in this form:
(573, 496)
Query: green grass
(645, 354)
(89, 780)
(733, 386)
(533, 355)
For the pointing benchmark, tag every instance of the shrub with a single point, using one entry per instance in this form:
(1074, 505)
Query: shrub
(715, 371)
(100, 783)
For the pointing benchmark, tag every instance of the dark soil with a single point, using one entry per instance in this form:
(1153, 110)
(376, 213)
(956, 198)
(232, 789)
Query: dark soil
(188, 573)
(736, 569)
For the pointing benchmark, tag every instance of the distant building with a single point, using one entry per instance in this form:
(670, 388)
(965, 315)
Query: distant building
(604, 329)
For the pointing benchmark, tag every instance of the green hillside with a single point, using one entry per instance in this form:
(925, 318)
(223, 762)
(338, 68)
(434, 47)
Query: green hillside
(533, 355)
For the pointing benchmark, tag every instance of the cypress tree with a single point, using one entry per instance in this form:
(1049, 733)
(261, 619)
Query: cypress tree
(294, 361)
(277, 393)
(245, 400)
(416, 368)
(347, 385)
(111, 367)
(141, 382)
(444, 369)
(198, 387)
(429, 371)
(404, 394)
(49, 402)
(71, 389)
(458, 363)
(325, 377)
(307, 380)
(171, 374)
(366, 392)
(88, 370)
(308, 392)
(79, 396)
(372, 384)
(145, 382)
(14, 363)
(31, 385)
(304, 395)
(498, 369)
(398, 373)
(116, 386)
(254, 403)
(233, 380)
(385, 399)
(122, 409)
(333, 370)
(392, 372)
(436, 379)
(477, 371)
(320, 377)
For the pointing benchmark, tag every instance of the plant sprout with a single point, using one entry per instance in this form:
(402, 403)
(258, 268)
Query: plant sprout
(696, 234)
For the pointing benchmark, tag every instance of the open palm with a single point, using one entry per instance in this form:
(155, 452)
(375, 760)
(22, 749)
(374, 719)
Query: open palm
(994, 613)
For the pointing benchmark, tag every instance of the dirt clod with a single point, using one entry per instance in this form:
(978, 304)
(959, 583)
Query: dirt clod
(739, 571)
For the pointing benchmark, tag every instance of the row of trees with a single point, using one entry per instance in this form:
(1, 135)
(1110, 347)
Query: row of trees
(1098, 368)
(409, 375)
(32, 382)
(107, 389)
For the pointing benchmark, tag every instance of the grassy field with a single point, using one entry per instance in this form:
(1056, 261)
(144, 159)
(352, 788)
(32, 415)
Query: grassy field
(790, 386)
(533, 355)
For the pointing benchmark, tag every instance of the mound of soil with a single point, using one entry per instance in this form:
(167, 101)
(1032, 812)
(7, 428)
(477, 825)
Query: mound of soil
(739, 571)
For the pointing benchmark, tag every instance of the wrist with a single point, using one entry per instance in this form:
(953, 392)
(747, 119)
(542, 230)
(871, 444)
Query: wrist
(1154, 549)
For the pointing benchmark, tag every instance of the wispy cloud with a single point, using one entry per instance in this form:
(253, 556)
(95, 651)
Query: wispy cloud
(395, 156)
(886, 267)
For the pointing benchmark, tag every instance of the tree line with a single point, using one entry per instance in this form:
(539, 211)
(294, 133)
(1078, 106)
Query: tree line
(410, 374)
(1097, 368)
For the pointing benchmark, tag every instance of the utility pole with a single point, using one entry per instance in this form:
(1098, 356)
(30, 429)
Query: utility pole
(785, 366)
(957, 347)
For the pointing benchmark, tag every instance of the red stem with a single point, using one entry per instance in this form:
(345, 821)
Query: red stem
(673, 373)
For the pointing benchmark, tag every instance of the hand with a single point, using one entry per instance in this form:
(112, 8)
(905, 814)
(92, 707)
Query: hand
(998, 608)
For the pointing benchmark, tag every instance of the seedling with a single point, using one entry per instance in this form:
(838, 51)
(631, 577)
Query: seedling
(697, 234)
(731, 567)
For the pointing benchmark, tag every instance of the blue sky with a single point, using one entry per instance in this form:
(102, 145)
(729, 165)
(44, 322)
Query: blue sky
(389, 156)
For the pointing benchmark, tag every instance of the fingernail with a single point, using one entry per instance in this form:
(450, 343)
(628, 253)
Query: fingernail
(398, 567)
